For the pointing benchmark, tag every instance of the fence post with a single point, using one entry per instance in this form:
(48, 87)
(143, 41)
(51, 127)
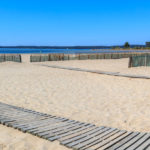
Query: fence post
(145, 60)
(20, 58)
(130, 62)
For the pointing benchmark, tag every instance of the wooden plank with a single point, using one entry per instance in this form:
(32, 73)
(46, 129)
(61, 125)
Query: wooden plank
(9, 116)
(19, 114)
(40, 121)
(52, 126)
(47, 130)
(30, 127)
(99, 72)
(23, 119)
(48, 127)
(123, 141)
(33, 121)
(53, 136)
(30, 111)
(74, 133)
(15, 114)
(139, 142)
(93, 139)
(108, 140)
(6, 120)
(20, 119)
(59, 130)
(116, 140)
(6, 113)
(15, 109)
(67, 141)
(9, 121)
(99, 140)
(148, 147)
(25, 122)
(132, 141)
(144, 145)
(34, 127)
(70, 130)
(87, 137)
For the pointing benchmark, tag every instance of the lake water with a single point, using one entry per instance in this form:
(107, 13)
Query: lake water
(65, 51)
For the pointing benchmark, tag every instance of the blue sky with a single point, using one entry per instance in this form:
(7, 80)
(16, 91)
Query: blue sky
(74, 22)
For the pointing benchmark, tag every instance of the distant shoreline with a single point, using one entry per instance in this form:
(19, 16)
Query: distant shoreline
(58, 47)
(75, 47)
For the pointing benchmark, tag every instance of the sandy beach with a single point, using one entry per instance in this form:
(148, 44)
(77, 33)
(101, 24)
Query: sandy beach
(11, 139)
(104, 100)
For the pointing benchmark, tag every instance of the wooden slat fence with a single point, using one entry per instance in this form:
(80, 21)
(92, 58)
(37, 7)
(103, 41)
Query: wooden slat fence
(138, 61)
(63, 57)
(10, 57)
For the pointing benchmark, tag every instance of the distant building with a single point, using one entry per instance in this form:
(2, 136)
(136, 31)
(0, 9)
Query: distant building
(147, 44)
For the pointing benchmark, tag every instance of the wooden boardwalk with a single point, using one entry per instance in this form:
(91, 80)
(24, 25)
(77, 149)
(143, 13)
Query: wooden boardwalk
(99, 72)
(71, 133)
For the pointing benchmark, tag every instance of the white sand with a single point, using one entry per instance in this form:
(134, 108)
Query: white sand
(100, 99)
(11, 139)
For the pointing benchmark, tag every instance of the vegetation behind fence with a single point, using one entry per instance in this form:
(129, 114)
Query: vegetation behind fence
(63, 57)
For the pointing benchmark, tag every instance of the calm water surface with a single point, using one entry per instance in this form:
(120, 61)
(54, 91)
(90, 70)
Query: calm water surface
(65, 51)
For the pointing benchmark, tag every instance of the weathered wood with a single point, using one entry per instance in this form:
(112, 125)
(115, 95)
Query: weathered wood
(99, 140)
(139, 142)
(31, 127)
(24, 123)
(87, 137)
(72, 129)
(93, 139)
(144, 145)
(123, 141)
(59, 130)
(71, 133)
(50, 124)
(39, 122)
(99, 72)
(132, 141)
(108, 140)
(114, 141)
(74, 133)
(65, 142)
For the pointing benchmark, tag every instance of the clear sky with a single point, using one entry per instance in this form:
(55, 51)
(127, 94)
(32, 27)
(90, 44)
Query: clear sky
(74, 22)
